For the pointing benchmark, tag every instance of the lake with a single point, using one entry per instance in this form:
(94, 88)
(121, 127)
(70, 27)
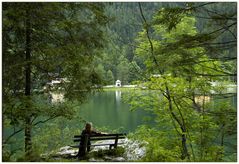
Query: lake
(106, 109)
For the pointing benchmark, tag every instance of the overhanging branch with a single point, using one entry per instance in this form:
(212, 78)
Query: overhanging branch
(18, 131)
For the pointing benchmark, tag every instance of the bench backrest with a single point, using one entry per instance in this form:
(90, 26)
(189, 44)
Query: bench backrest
(78, 138)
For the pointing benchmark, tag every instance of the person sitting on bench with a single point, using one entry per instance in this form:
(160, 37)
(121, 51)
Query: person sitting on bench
(87, 131)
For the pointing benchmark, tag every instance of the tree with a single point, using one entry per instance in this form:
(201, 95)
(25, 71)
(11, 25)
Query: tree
(100, 70)
(43, 41)
(217, 36)
(123, 71)
(173, 70)
(134, 72)
(110, 77)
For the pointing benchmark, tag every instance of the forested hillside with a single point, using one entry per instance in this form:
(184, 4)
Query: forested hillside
(119, 61)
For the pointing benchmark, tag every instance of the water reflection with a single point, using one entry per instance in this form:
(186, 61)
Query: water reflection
(118, 97)
(106, 109)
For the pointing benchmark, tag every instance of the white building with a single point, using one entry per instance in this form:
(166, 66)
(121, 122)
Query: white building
(118, 83)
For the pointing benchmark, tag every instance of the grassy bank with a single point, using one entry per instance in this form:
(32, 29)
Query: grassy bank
(119, 88)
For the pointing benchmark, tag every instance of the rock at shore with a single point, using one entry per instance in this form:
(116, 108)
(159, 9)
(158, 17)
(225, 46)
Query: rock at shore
(128, 150)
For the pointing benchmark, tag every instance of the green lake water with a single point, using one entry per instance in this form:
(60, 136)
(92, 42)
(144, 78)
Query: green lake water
(106, 109)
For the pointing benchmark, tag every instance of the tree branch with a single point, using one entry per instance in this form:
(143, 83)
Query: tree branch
(208, 3)
(50, 118)
(210, 33)
(14, 133)
(18, 131)
(147, 32)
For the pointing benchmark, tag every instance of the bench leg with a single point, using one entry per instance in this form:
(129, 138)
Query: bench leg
(116, 142)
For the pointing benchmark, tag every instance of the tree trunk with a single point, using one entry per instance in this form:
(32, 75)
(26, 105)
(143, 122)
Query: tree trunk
(182, 126)
(28, 145)
(184, 145)
(28, 142)
(222, 135)
(222, 142)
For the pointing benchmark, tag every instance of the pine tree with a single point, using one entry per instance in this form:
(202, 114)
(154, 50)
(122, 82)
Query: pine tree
(41, 42)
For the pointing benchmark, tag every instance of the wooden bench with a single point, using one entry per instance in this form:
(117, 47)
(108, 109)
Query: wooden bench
(98, 137)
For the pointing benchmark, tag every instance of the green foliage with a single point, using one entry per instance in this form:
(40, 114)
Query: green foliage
(134, 71)
(49, 40)
(123, 72)
(101, 153)
(171, 17)
(180, 80)
(67, 40)
(160, 145)
(6, 156)
(212, 19)
(110, 77)
(34, 157)
(100, 71)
